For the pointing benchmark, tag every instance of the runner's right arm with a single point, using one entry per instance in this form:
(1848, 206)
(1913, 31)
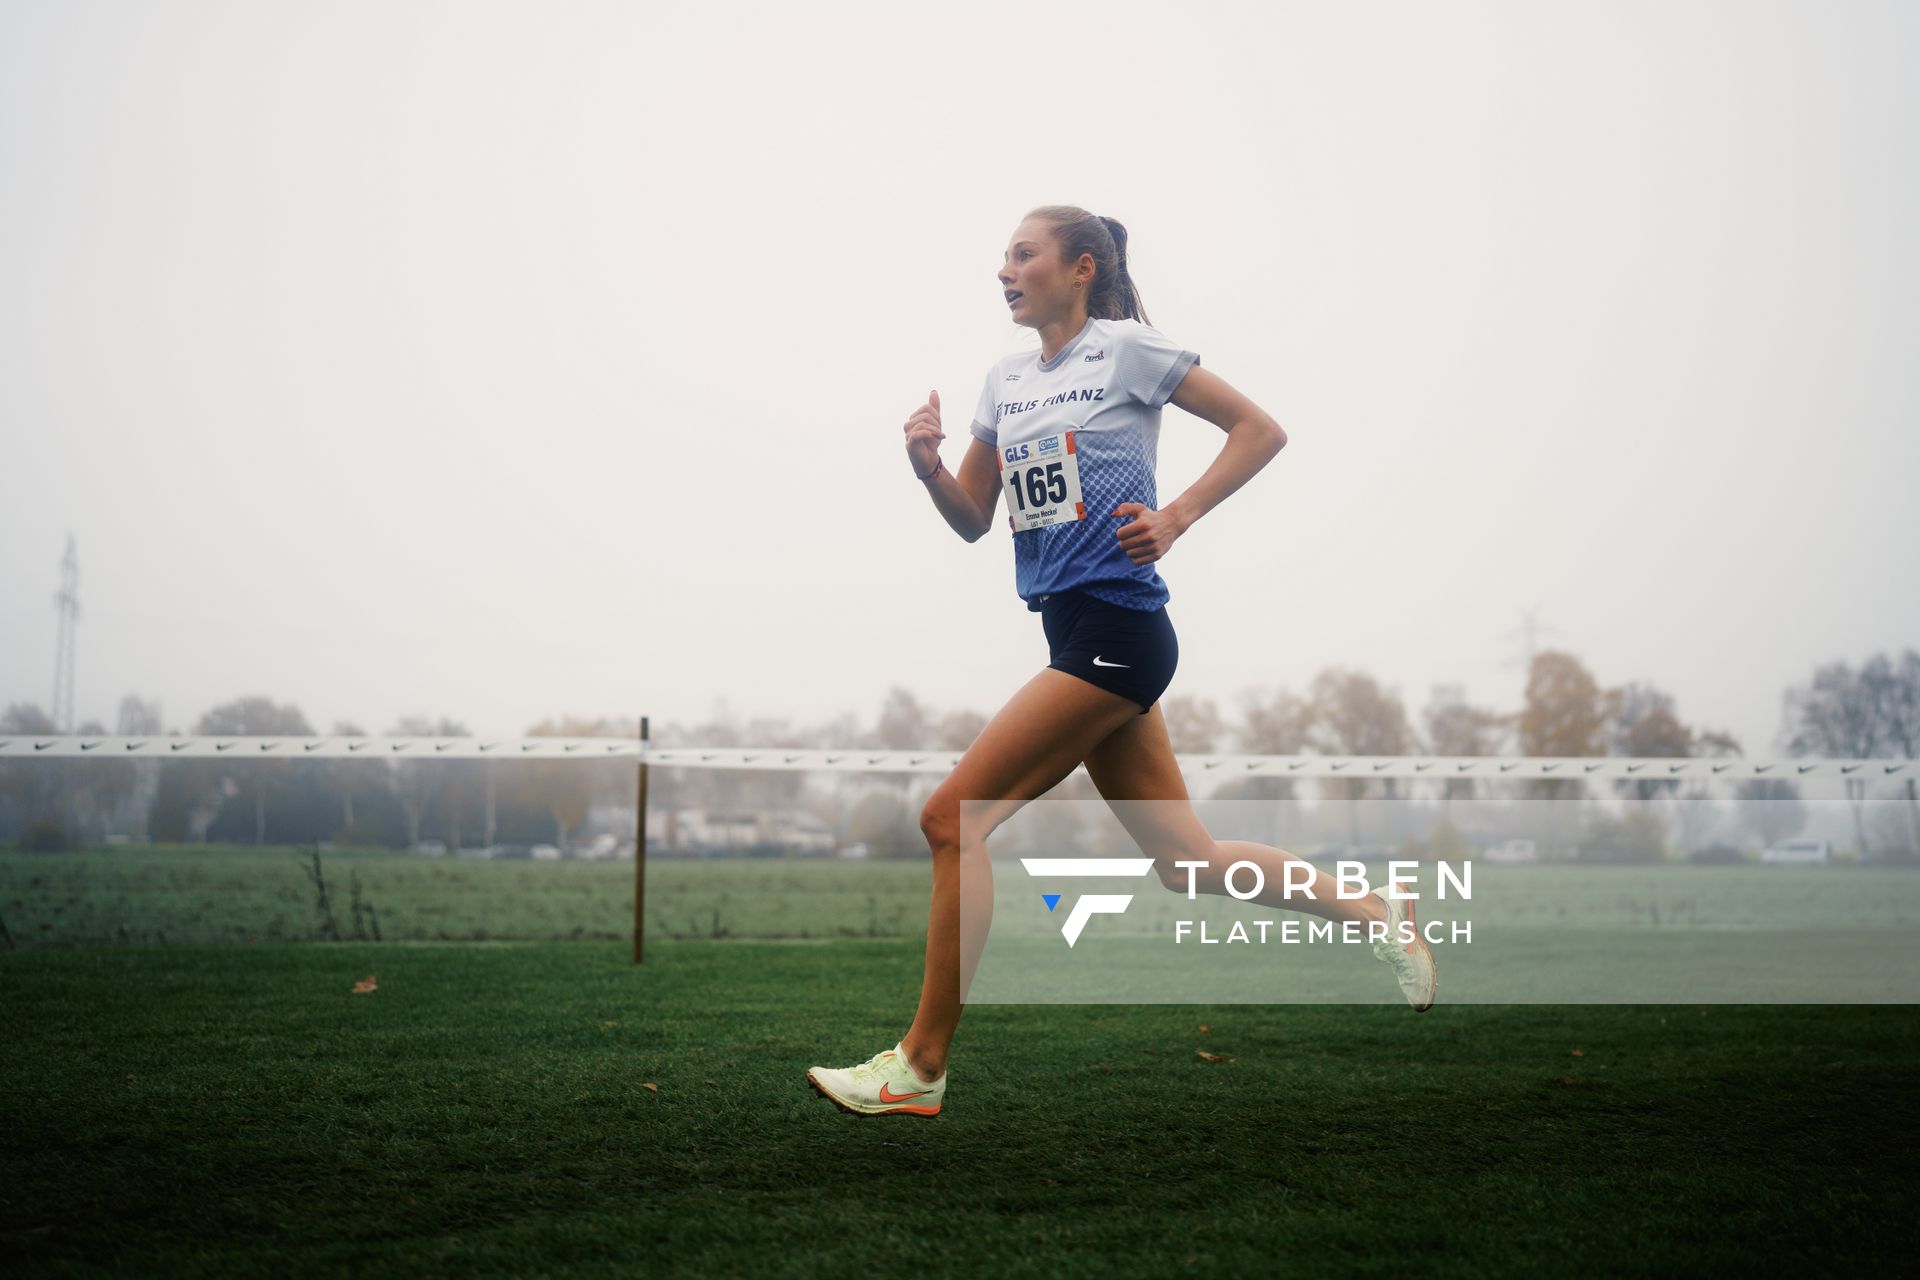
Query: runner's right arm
(967, 501)
(975, 492)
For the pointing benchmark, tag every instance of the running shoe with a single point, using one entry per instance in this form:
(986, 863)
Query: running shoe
(1412, 962)
(883, 1085)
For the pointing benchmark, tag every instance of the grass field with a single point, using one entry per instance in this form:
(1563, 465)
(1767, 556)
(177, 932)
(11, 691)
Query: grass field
(240, 1110)
(219, 894)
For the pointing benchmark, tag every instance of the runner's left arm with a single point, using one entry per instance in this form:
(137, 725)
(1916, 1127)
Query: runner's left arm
(1253, 440)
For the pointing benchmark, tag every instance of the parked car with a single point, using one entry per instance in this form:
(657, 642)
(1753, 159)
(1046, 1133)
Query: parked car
(1799, 851)
(431, 848)
(545, 853)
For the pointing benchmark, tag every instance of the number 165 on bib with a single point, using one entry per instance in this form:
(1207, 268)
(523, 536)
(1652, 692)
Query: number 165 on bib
(1042, 479)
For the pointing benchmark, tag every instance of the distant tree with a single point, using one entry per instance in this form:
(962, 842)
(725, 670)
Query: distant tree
(91, 792)
(362, 782)
(566, 787)
(130, 783)
(1716, 744)
(186, 796)
(105, 789)
(1834, 715)
(708, 789)
(842, 730)
(904, 722)
(1454, 728)
(1271, 724)
(1844, 714)
(28, 787)
(742, 790)
(1194, 725)
(1277, 724)
(73, 799)
(1695, 802)
(1895, 690)
(957, 730)
(1564, 715)
(249, 788)
(447, 797)
(1642, 722)
(1770, 808)
(1353, 716)
(416, 783)
(463, 789)
(1838, 715)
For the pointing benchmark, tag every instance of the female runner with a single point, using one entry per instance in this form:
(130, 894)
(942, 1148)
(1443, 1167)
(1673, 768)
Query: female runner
(1086, 536)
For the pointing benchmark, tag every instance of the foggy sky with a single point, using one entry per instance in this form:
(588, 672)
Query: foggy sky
(509, 361)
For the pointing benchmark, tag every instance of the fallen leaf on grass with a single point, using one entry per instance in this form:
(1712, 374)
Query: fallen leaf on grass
(605, 1023)
(1204, 1056)
(1203, 1030)
(1578, 1054)
(651, 1088)
(363, 986)
(714, 1083)
(1564, 1080)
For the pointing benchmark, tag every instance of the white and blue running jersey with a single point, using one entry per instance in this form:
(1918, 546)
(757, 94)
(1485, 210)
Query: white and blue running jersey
(1077, 436)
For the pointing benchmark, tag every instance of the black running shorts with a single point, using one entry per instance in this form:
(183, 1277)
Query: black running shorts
(1126, 651)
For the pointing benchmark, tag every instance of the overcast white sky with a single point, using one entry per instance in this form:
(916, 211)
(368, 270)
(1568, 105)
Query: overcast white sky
(502, 361)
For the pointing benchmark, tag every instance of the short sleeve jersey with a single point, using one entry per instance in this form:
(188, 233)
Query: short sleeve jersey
(1107, 387)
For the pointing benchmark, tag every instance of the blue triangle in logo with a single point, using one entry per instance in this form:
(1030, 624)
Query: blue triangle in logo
(1051, 899)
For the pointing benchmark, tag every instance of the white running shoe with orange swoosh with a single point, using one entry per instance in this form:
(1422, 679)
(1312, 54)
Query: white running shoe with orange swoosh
(882, 1085)
(1412, 962)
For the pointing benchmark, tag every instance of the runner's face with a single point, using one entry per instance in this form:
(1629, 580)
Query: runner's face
(1031, 268)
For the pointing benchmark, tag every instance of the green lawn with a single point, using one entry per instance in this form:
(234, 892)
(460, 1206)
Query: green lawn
(214, 894)
(196, 1109)
(239, 1111)
(154, 895)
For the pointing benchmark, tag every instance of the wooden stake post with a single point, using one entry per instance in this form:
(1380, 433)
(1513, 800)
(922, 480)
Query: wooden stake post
(640, 852)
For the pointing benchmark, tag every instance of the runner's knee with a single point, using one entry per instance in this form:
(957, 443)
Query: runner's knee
(940, 824)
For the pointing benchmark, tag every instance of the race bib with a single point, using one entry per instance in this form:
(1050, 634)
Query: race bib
(1042, 479)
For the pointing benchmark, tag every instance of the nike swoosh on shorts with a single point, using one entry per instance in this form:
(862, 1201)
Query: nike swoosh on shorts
(1123, 666)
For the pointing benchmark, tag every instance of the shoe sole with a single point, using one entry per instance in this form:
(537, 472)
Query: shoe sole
(1433, 966)
(855, 1109)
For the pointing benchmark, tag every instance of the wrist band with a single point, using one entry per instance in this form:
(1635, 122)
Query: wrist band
(937, 464)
